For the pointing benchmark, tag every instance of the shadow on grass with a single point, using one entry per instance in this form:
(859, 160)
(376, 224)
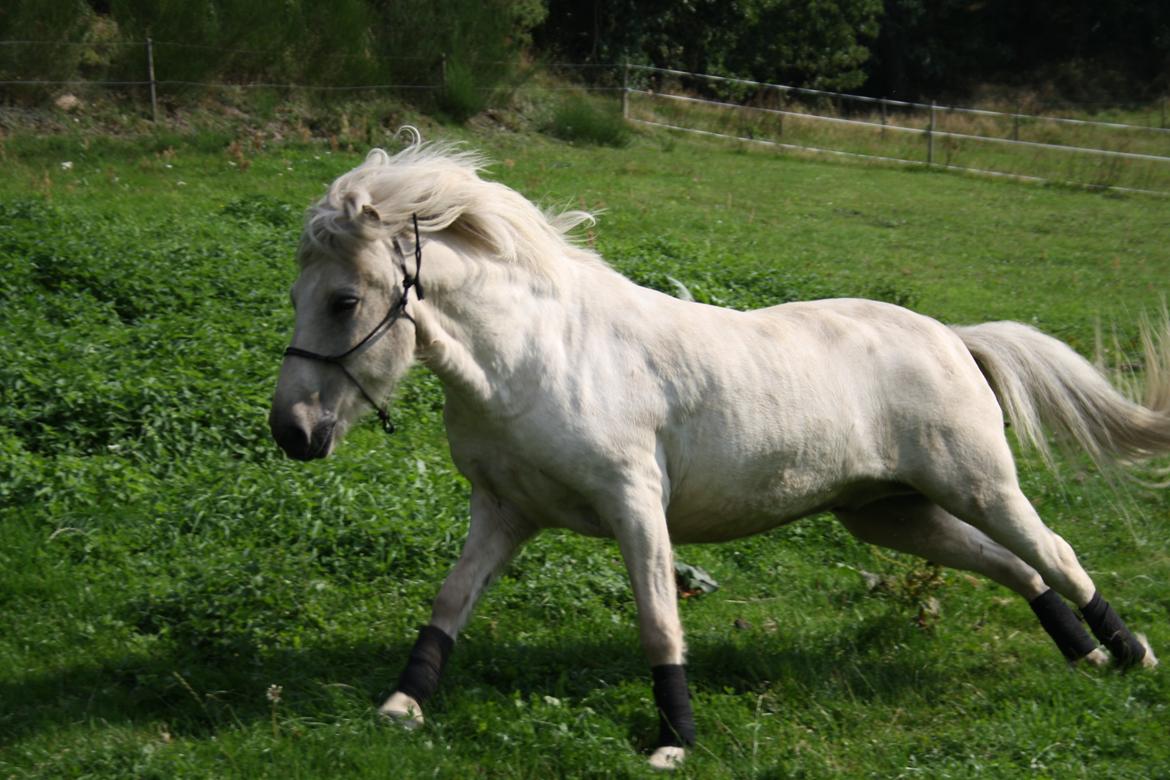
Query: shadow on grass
(200, 695)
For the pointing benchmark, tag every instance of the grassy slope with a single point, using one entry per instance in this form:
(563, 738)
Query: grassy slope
(162, 567)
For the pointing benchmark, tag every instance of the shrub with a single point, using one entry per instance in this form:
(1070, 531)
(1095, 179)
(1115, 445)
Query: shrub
(580, 120)
(461, 96)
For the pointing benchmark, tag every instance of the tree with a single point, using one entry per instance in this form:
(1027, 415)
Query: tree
(820, 43)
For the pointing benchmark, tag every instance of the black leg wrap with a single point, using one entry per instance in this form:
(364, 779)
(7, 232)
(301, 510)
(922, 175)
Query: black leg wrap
(420, 678)
(1107, 627)
(1062, 625)
(676, 722)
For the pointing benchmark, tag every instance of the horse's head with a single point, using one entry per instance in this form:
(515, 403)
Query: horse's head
(354, 337)
(355, 326)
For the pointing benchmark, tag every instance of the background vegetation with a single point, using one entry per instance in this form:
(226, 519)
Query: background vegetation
(1082, 50)
(469, 47)
(178, 599)
(1086, 51)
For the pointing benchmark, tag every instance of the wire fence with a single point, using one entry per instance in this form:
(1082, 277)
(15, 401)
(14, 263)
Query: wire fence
(1115, 155)
(146, 74)
(1161, 127)
(1118, 153)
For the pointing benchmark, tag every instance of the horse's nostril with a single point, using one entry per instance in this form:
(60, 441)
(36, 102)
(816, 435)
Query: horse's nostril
(322, 439)
(292, 437)
(298, 439)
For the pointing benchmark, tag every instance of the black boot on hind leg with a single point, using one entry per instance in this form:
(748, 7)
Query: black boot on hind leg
(1128, 650)
(1066, 630)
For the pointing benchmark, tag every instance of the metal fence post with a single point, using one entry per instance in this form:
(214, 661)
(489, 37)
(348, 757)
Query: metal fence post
(153, 84)
(930, 137)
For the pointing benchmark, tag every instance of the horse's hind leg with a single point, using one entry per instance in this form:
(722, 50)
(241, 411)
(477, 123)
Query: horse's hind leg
(914, 525)
(989, 498)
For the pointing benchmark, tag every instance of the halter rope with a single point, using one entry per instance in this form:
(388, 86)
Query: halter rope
(381, 329)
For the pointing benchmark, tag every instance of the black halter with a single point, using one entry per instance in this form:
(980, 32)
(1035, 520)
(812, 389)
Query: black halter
(397, 311)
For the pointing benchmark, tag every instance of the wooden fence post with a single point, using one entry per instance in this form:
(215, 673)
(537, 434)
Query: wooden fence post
(626, 90)
(930, 137)
(783, 107)
(153, 84)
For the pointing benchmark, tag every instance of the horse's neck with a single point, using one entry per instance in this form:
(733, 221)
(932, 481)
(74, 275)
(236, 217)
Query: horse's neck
(483, 330)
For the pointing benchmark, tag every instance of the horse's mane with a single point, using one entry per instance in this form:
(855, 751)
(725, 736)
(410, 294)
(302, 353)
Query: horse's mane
(441, 184)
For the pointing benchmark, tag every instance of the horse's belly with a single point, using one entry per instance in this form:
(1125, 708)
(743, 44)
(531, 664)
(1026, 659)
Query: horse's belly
(710, 504)
(717, 516)
(711, 524)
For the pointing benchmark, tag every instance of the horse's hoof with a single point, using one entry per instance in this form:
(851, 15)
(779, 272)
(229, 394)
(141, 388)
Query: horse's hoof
(1097, 657)
(1149, 660)
(667, 757)
(403, 710)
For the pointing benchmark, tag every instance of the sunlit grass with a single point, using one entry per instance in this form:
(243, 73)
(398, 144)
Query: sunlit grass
(163, 566)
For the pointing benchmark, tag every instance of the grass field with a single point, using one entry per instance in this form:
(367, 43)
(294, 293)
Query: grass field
(963, 140)
(163, 566)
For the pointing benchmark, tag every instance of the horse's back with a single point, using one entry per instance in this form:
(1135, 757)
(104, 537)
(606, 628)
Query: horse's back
(845, 396)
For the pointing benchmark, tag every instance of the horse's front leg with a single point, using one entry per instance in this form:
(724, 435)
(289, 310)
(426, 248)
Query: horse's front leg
(645, 544)
(495, 534)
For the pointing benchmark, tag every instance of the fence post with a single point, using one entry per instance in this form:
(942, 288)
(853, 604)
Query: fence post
(1016, 122)
(930, 137)
(882, 103)
(150, 73)
(626, 90)
(783, 107)
(1163, 113)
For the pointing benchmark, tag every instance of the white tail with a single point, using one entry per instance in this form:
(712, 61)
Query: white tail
(1042, 383)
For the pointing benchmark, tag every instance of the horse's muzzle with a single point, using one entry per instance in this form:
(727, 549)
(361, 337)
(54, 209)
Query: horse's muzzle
(299, 440)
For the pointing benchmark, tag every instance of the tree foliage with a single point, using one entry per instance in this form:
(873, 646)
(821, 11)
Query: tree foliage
(910, 48)
(1078, 49)
(810, 42)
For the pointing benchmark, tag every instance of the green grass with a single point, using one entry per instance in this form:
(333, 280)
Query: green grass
(163, 565)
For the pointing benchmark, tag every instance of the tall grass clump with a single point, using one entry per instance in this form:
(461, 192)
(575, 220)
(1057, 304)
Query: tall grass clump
(580, 120)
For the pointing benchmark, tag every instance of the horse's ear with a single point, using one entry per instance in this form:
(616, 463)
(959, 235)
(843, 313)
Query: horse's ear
(358, 204)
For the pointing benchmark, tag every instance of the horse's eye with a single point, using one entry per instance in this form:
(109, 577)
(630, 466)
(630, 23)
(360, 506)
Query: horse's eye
(345, 304)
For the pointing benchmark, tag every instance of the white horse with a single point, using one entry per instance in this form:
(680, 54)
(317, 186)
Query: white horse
(577, 399)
